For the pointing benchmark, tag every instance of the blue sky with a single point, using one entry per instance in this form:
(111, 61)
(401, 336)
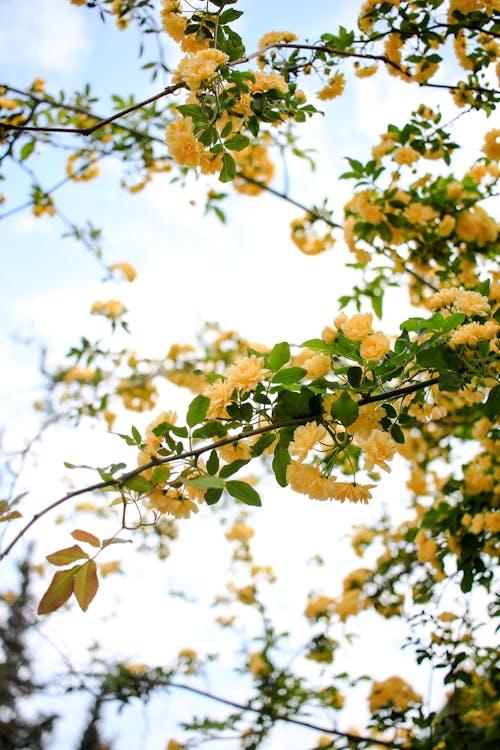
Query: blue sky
(246, 274)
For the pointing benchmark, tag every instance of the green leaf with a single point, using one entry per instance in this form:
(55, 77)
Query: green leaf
(243, 491)
(85, 536)
(206, 482)
(86, 584)
(354, 375)
(58, 592)
(492, 406)
(262, 443)
(237, 142)
(136, 435)
(397, 433)
(210, 429)
(233, 467)
(67, 555)
(279, 355)
(197, 410)
(160, 474)
(213, 495)
(228, 171)
(345, 410)
(27, 150)
(280, 464)
(213, 463)
(289, 375)
(137, 483)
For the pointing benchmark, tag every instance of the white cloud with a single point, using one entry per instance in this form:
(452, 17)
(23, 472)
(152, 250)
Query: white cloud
(43, 35)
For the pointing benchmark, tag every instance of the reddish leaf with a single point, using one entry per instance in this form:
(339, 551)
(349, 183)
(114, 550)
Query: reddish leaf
(67, 555)
(59, 591)
(85, 536)
(86, 584)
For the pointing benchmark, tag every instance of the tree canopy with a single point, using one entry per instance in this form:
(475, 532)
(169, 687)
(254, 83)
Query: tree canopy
(326, 417)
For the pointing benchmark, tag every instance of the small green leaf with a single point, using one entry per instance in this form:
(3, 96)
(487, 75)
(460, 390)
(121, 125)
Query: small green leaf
(397, 433)
(280, 464)
(354, 375)
(279, 355)
(136, 435)
(137, 483)
(237, 142)
(492, 406)
(67, 555)
(27, 150)
(233, 467)
(213, 495)
(213, 463)
(197, 410)
(59, 591)
(345, 410)
(86, 584)
(243, 491)
(228, 171)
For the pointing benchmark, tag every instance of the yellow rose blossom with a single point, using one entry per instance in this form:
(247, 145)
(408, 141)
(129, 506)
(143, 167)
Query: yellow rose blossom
(237, 451)
(252, 162)
(240, 531)
(219, 392)
(446, 226)
(88, 169)
(351, 491)
(349, 604)
(305, 437)
(475, 225)
(113, 308)
(417, 213)
(374, 347)
(267, 82)
(358, 327)
(126, 269)
(319, 606)
(426, 548)
(182, 144)
(329, 334)
(334, 87)
(492, 144)
(443, 298)
(198, 66)
(378, 449)
(275, 37)
(369, 418)
(406, 155)
(366, 71)
(393, 691)
(470, 333)
(492, 522)
(471, 303)
(246, 373)
(174, 745)
(317, 366)
(308, 480)
(259, 667)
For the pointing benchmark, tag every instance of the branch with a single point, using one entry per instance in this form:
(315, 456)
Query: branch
(122, 479)
(275, 717)
(88, 131)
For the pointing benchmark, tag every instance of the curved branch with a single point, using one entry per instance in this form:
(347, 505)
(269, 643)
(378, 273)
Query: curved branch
(195, 453)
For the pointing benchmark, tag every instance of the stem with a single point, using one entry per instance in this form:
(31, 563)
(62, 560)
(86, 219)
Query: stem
(121, 480)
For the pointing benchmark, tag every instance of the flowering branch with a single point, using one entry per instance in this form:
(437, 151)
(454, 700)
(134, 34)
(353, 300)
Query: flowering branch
(120, 481)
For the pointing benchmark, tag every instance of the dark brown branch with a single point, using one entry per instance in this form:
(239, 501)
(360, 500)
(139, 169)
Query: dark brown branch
(88, 131)
(121, 480)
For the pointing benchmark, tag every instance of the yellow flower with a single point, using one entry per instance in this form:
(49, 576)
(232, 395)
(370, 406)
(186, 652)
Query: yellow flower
(334, 87)
(475, 225)
(275, 37)
(84, 172)
(442, 298)
(266, 82)
(365, 72)
(492, 144)
(182, 144)
(126, 268)
(358, 327)
(378, 449)
(113, 308)
(308, 480)
(320, 606)
(351, 491)
(246, 373)
(374, 347)
(198, 66)
(305, 438)
(471, 303)
(470, 333)
(253, 162)
(446, 226)
(368, 420)
(393, 691)
(317, 366)
(259, 667)
(219, 392)
(406, 155)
